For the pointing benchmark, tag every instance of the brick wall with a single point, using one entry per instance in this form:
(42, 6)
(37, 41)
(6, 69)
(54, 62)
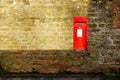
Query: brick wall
(116, 12)
(36, 35)
(38, 24)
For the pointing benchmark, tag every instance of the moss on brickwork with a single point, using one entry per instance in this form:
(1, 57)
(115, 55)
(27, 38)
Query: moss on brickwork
(6, 61)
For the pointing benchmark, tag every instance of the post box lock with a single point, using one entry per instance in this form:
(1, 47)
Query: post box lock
(80, 33)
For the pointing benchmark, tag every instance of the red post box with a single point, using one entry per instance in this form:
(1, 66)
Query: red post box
(80, 33)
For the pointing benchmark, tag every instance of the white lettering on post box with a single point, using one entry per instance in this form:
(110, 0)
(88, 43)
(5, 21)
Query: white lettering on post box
(79, 32)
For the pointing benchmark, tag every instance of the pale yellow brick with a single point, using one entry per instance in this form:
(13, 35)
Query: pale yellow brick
(38, 24)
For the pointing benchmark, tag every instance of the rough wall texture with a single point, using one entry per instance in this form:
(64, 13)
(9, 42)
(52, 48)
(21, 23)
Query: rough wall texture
(36, 35)
(116, 12)
(38, 24)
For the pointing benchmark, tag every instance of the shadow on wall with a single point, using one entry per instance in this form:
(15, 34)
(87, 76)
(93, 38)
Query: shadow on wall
(43, 61)
(102, 34)
(99, 30)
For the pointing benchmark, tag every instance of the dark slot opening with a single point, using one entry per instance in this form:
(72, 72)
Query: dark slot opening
(79, 22)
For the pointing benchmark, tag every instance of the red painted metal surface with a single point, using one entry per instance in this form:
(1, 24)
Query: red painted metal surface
(80, 33)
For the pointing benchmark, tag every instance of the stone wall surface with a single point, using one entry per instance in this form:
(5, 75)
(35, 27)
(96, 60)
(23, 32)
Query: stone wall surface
(116, 12)
(38, 24)
(36, 36)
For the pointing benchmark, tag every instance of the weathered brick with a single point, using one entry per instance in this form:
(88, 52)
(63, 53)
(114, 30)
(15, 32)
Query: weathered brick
(38, 35)
(116, 9)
